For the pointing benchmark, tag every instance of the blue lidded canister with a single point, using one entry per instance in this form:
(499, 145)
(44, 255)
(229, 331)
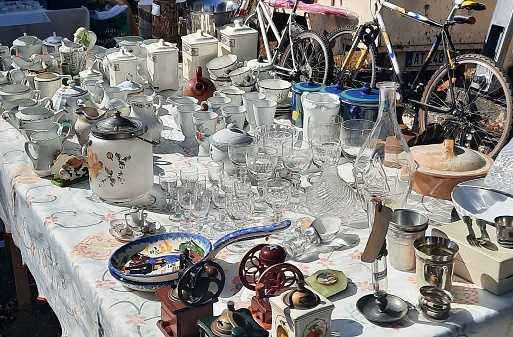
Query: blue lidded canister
(360, 103)
(297, 90)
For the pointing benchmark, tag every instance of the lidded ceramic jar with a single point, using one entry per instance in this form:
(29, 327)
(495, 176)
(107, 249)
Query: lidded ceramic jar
(120, 63)
(360, 103)
(52, 44)
(162, 63)
(197, 50)
(263, 66)
(27, 45)
(297, 90)
(238, 39)
(120, 159)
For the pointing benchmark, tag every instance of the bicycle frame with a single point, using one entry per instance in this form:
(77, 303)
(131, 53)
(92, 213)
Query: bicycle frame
(263, 18)
(368, 33)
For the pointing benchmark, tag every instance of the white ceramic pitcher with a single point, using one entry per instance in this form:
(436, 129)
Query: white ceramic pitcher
(143, 107)
(320, 105)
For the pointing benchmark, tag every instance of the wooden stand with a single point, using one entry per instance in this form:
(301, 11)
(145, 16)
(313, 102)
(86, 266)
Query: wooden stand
(177, 320)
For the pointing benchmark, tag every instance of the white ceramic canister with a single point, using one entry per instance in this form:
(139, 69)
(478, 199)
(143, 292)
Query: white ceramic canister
(162, 63)
(197, 50)
(321, 105)
(120, 159)
(238, 39)
(120, 63)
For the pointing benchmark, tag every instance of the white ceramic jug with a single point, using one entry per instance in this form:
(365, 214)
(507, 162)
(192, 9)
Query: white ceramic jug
(142, 107)
(320, 105)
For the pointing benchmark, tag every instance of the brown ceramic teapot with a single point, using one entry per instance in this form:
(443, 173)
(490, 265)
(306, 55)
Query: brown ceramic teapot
(200, 87)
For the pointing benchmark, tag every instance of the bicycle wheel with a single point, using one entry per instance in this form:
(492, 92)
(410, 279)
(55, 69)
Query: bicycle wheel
(312, 58)
(481, 119)
(340, 41)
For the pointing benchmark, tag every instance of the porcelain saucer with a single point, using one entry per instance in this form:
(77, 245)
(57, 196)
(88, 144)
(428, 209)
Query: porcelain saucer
(119, 230)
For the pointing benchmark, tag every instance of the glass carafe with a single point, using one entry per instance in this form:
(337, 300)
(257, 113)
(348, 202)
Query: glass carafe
(330, 194)
(384, 166)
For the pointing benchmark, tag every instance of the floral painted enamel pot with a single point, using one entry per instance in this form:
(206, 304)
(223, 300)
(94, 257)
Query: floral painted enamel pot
(120, 159)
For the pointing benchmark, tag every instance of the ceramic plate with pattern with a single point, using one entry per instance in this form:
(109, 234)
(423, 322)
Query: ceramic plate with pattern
(156, 258)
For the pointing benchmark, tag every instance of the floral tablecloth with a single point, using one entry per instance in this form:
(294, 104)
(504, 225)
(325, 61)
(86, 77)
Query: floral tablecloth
(64, 240)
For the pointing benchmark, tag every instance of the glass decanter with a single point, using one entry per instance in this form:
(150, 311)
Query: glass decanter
(329, 194)
(383, 170)
(385, 153)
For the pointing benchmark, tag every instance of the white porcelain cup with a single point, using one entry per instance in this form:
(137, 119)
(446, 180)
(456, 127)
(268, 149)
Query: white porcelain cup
(247, 99)
(234, 115)
(177, 101)
(205, 123)
(184, 113)
(264, 111)
(48, 83)
(234, 93)
(275, 89)
(244, 76)
(215, 104)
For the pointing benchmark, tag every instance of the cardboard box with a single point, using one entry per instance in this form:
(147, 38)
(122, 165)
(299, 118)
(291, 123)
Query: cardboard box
(492, 270)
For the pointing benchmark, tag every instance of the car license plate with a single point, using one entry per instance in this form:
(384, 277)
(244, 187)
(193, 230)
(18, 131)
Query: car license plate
(417, 58)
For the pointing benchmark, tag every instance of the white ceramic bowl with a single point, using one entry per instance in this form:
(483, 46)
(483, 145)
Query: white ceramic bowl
(222, 66)
(274, 89)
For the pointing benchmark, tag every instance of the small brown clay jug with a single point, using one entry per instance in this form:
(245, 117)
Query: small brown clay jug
(200, 87)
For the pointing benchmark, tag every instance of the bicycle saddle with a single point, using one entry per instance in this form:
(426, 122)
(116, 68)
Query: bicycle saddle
(473, 5)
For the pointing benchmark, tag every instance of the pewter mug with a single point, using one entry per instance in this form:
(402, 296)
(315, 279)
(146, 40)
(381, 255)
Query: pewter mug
(405, 227)
(435, 261)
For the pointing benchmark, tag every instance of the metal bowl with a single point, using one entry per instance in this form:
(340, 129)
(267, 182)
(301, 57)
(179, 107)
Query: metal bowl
(472, 198)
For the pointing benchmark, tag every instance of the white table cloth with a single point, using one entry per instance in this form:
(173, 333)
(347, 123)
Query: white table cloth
(64, 240)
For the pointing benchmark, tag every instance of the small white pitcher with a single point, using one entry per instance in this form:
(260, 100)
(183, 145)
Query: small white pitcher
(320, 105)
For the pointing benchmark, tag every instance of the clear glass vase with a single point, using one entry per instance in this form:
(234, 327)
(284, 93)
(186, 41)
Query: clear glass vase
(384, 167)
(330, 194)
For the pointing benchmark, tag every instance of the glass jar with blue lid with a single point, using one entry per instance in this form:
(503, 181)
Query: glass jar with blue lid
(360, 103)
(297, 90)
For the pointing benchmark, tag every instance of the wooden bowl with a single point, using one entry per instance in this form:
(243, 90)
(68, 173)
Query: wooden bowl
(443, 166)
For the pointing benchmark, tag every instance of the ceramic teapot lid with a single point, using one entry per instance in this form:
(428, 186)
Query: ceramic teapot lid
(221, 138)
(363, 96)
(129, 85)
(90, 72)
(199, 37)
(34, 113)
(71, 90)
(301, 298)
(53, 40)
(117, 127)
(122, 55)
(334, 89)
(26, 40)
(308, 86)
(238, 28)
(260, 64)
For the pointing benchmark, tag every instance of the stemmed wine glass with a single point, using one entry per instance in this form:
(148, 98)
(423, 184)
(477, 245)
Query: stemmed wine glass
(185, 196)
(277, 194)
(237, 154)
(189, 176)
(297, 158)
(354, 133)
(261, 162)
(215, 169)
(168, 181)
(274, 135)
(200, 204)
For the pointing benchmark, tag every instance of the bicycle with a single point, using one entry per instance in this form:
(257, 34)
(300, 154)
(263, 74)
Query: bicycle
(469, 95)
(299, 55)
